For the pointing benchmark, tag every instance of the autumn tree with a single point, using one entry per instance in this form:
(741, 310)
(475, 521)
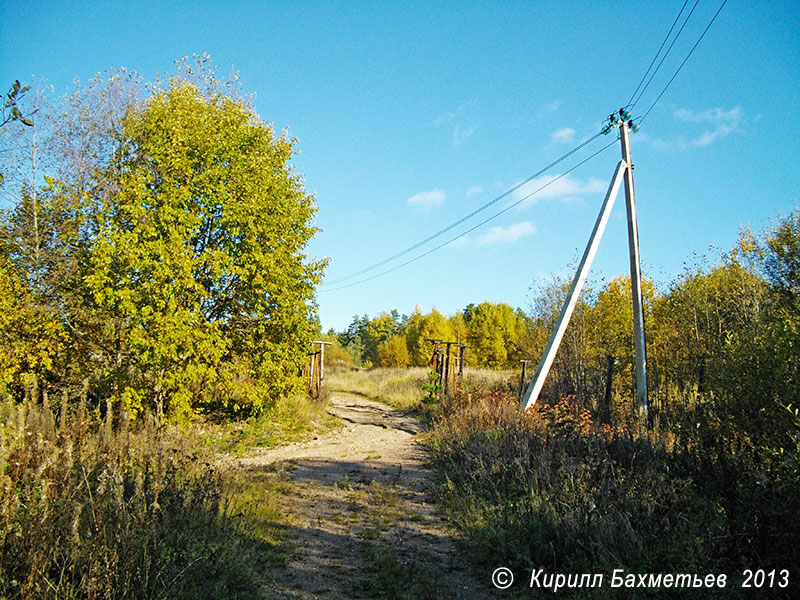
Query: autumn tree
(186, 226)
(377, 331)
(31, 336)
(198, 259)
(393, 352)
(420, 328)
(610, 339)
(493, 333)
(335, 355)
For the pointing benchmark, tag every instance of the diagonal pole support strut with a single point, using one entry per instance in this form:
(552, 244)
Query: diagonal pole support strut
(535, 387)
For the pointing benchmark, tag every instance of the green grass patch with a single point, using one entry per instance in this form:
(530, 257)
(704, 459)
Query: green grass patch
(394, 577)
(291, 419)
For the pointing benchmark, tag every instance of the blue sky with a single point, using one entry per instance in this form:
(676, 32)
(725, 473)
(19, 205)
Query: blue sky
(410, 116)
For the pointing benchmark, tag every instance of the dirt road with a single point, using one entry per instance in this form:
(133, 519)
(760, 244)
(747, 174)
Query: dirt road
(361, 521)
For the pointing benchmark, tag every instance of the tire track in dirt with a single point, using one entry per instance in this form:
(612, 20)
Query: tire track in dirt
(361, 520)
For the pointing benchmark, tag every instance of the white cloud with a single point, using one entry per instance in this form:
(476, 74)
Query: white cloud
(425, 201)
(459, 122)
(715, 122)
(549, 187)
(548, 109)
(507, 235)
(456, 113)
(563, 135)
(461, 135)
(474, 191)
(723, 123)
(713, 115)
(497, 235)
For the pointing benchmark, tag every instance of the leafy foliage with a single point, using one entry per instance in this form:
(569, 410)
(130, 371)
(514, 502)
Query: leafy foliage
(550, 489)
(10, 108)
(167, 250)
(493, 331)
(709, 485)
(393, 352)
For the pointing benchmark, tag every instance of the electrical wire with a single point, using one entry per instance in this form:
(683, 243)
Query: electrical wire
(702, 35)
(663, 58)
(631, 104)
(461, 220)
(470, 230)
(652, 62)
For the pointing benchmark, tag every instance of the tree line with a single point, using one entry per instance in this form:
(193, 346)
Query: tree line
(726, 330)
(493, 333)
(152, 249)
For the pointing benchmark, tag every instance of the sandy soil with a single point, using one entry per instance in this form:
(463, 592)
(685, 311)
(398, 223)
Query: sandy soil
(360, 513)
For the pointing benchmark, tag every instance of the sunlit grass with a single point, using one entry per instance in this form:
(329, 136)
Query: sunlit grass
(403, 388)
(88, 510)
(291, 420)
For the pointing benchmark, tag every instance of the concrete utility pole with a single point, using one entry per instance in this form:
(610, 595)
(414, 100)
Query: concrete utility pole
(636, 273)
(624, 171)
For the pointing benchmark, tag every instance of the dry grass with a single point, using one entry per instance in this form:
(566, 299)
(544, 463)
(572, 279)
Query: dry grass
(403, 388)
(552, 490)
(91, 511)
(399, 388)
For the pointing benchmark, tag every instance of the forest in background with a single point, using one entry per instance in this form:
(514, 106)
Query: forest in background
(726, 329)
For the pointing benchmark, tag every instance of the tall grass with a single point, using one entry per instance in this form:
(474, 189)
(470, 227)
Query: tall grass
(91, 511)
(403, 388)
(399, 388)
(553, 490)
(287, 421)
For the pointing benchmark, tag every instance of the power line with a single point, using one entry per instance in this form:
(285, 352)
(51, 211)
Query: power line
(461, 220)
(663, 58)
(481, 224)
(542, 171)
(652, 62)
(702, 35)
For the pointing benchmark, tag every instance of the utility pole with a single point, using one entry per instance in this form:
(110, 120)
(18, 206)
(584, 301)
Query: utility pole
(447, 368)
(624, 171)
(636, 273)
(321, 359)
(436, 359)
(461, 349)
